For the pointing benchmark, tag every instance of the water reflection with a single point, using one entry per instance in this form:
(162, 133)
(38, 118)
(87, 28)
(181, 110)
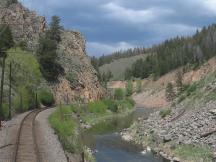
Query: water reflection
(109, 145)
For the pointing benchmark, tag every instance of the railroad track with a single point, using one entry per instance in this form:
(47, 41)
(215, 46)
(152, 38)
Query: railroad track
(26, 147)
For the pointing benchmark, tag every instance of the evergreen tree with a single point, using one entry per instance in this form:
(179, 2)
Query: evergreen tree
(179, 83)
(177, 52)
(47, 54)
(119, 94)
(129, 88)
(128, 74)
(54, 32)
(6, 42)
(138, 86)
(95, 64)
(170, 94)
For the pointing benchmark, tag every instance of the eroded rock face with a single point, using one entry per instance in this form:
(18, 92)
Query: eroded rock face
(25, 24)
(80, 79)
(6, 3)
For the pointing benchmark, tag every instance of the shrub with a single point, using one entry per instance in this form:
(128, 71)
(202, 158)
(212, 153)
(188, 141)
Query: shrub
(124, 104)
(74, 108)
(72, 78)
(22, 100)
(164, 113)
(66, 129)
(5, 110)
(129, 88)
(22, 45)
(46, 98)
(119, 94)
(192, 88)
(131, 101)
(194, 153)
(170, 94)
(111, 105)
(139, 86)
(98, 107)
(181, 98)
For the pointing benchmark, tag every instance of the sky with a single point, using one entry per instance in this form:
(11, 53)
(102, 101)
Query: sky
(111, 25)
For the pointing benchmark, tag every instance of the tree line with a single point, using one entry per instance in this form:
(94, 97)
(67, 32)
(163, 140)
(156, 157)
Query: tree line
(106, 59)
(174, 53)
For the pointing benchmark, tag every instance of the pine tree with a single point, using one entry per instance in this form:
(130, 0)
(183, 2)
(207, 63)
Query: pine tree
(128, 74)
(6, 42)
(47, 51)
(179, 83)
(129, 88)
(54, 32)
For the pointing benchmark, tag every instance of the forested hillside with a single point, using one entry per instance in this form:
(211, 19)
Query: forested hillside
(97, 62)
(41, 63)
(114, 65)
(176, 52)
(118, 67)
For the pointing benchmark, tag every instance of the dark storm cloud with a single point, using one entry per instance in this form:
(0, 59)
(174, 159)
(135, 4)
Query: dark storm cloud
(109, 25)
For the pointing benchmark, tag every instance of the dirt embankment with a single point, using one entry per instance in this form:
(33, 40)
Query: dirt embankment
(153, 94)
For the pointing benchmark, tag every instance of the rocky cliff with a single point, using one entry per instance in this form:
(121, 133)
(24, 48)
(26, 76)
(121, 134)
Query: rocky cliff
(80, 79)
(25, 24)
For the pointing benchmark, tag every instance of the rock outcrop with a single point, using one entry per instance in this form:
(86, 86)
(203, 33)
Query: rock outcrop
(80, 79)
(26, 25)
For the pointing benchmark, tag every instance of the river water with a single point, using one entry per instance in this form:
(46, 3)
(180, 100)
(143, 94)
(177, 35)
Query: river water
(108, 145)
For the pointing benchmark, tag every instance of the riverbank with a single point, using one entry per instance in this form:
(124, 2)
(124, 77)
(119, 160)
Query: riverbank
(180, 135)
(185, 129)
(69, 121)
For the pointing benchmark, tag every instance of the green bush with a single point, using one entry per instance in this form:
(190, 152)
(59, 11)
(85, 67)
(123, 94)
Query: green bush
(131, 101)
(164, 113)
(194, 153)
(72, 78)
(5, 110)
(111, 105)
(22, 100)
(181, 98)
(46, 98)
(129, 88)
(124, 104)
(74, 108)
(191, 89)
(98, 107)
(139, 86)
(119, 94)
(66, 129)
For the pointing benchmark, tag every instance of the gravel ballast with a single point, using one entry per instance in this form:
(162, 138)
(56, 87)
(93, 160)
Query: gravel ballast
(49, 146)
(8, 136)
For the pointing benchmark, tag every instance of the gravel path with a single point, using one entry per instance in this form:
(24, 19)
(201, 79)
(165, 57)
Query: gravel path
(8, 136)
(49, 146)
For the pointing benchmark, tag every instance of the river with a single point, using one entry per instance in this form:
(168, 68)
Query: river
(108, 145)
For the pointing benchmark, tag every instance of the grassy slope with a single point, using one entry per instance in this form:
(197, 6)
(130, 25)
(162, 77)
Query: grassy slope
(26, 76)
(119, 66)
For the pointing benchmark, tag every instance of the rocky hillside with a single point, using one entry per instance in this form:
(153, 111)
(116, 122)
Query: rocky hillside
(25, 24)
(80, 78)
(188, 123)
